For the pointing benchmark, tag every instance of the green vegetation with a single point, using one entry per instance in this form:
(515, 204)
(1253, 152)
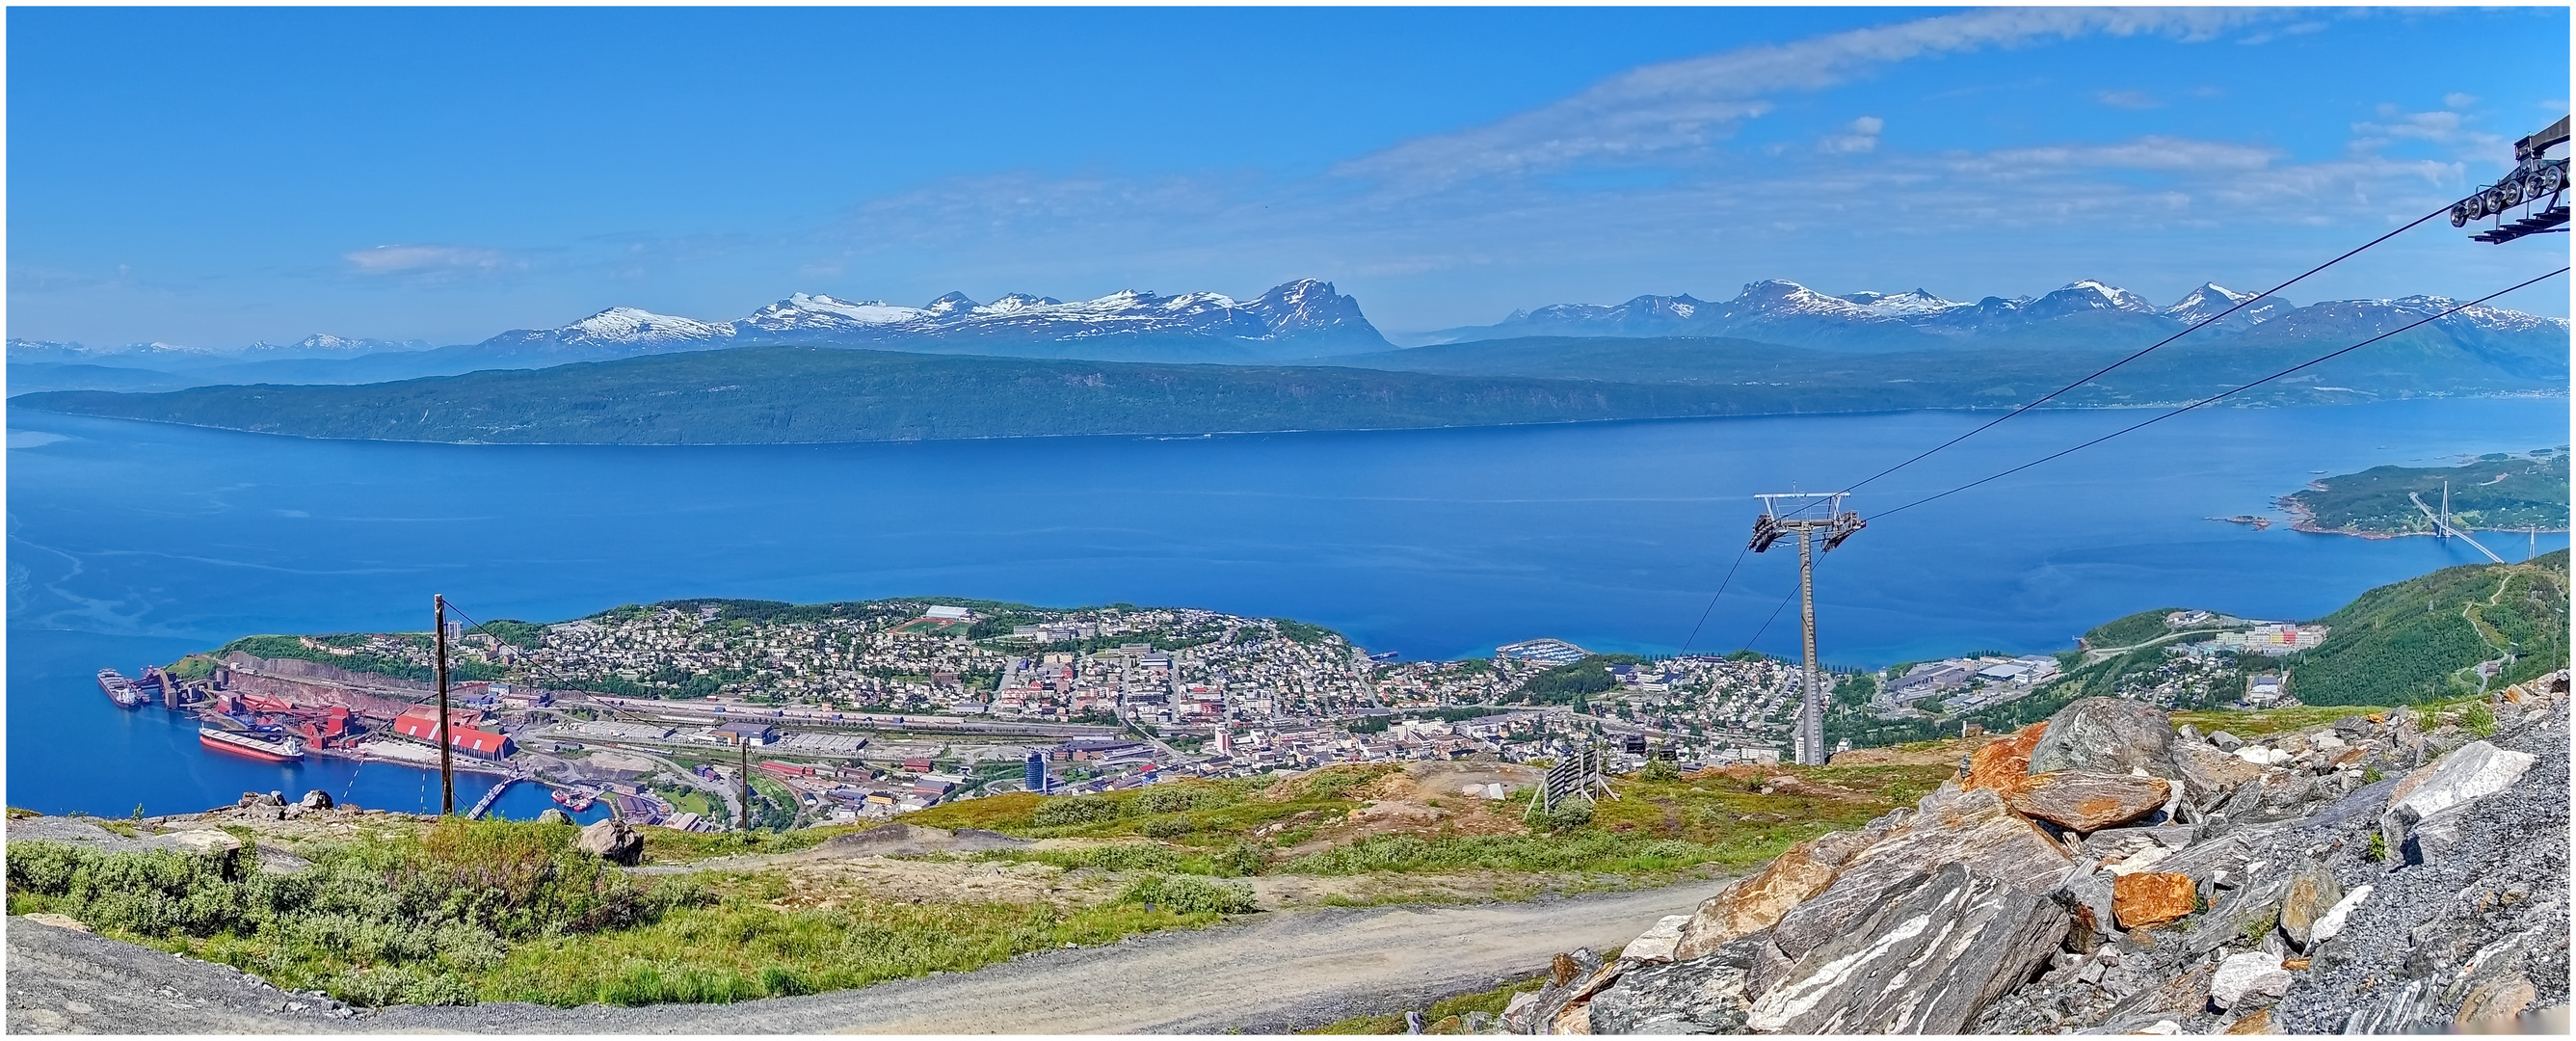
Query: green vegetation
(356, 660)
(2496, 492)
(2130, 630)
(1571, 681)
(494, 911)
(2417, 640)
(1440, 1017)
(805, 395)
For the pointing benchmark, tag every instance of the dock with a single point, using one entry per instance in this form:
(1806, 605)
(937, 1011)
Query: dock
(484, 805)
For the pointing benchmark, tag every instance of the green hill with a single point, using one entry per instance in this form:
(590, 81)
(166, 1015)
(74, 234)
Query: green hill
(2419, 639)
(807, 395)
(2499, 491)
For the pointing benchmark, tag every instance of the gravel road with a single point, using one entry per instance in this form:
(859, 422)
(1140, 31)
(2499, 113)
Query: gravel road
(1265, 973)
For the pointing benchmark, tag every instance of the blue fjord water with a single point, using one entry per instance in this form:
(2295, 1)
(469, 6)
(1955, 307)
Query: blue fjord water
(134, 543)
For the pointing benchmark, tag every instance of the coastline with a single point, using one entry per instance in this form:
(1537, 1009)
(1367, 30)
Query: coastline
(2303, 520)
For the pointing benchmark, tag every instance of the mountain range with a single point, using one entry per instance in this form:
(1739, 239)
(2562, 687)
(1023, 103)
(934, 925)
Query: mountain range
(2082, 314)
(1306, 322)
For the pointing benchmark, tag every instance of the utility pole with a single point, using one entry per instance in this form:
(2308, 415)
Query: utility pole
(742, 790)
(446, 768)
(1837, 524)
(2446, 510)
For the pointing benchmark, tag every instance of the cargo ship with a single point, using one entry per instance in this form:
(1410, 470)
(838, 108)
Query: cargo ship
(120, 690)
(270, 748)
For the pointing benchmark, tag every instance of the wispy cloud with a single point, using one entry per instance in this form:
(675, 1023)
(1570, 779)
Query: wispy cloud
(2134, 99)
(430, 261)
(1683, 106)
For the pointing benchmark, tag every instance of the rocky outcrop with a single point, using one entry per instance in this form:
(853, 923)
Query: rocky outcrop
(2105, 872)
(553, 815)
(1925, 964)
(2109, 735)
(614, 841)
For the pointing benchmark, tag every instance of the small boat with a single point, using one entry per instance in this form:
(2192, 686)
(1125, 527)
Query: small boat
(270, 748)
(575, 802)
(120, 690)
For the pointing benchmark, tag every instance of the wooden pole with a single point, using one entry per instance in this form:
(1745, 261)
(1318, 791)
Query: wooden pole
(446, 768)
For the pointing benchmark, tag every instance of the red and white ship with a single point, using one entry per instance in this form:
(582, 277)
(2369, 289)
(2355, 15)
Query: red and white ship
(273, 749)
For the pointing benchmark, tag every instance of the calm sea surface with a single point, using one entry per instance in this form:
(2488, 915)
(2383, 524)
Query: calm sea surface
(131, 543)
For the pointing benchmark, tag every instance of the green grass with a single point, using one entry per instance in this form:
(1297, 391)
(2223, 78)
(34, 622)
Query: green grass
(1198, 813)
(495, 910)
(1491, 1002)
(744, 948)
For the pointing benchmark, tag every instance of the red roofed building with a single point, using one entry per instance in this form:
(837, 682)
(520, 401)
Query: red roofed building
(420, 723)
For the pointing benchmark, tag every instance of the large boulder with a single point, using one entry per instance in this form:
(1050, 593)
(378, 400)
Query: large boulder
(2107, 735)
(1750, 905)
(316, 799)
(1973, 829)
(2003, 765)
(1925, 962)
(615, 841)
(2476, 770)
(554, 815)
(2081, 800)
(1705, 995)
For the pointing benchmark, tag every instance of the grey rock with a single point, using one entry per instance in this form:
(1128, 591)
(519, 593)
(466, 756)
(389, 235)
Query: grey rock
(2313, 893)
(2436, 837)
(2225, 741)
(2476, 770)
(615, 841)
(554, 815)
(2106, 735)
(1926, 963)
(1706, 995)
(316, 799)
(1972, 829)
(2248, 974)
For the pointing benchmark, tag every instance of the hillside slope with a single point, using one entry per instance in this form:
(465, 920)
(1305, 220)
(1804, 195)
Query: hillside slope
(2423, 638)
(768, 395)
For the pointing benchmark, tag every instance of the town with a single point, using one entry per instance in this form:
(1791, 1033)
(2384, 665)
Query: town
(717, 714)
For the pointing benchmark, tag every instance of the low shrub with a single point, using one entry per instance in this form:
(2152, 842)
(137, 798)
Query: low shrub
(1189, 894)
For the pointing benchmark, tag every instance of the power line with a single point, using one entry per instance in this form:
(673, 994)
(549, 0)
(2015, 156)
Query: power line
(2150, 348)
(2240, 388)
(1712, 600)
(1775, 616)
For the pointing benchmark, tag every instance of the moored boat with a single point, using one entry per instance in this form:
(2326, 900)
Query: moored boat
(277, 748)
(575, 801)
(120, 690)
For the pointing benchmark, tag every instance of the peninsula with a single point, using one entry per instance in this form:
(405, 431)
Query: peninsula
(2497, 492)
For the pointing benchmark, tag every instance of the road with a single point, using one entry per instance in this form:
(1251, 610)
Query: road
(1266, 973)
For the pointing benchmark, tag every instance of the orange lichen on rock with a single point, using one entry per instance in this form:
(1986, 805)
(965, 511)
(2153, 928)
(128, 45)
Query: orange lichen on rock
(2152, 898)
(2004, 765)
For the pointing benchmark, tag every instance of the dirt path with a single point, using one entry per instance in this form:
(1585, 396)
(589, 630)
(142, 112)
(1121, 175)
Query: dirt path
(1266, 973)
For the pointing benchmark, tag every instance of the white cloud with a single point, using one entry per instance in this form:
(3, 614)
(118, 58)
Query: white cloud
(2138, 99)
(1863, 137)
(2455, 99)
(428, 260)
(1680, 107)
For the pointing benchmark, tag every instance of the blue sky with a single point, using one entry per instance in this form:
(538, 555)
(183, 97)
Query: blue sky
(215, 177)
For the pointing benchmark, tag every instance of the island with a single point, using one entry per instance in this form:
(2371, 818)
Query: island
(2496, 492)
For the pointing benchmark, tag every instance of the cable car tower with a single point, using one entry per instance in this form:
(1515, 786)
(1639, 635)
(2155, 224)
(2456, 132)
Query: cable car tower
(1804, 518)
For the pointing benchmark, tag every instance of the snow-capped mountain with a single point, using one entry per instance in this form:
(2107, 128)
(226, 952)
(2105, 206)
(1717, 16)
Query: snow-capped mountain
(1297, 319)
(169, 355)
(2081, 314)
